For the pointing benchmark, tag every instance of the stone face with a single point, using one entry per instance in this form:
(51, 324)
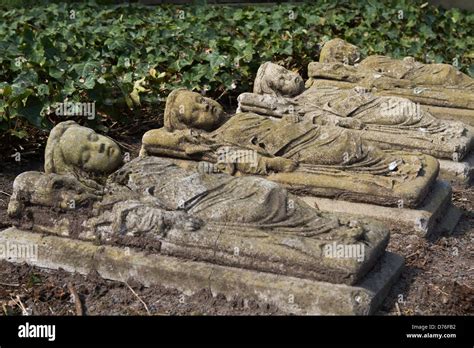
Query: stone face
(77, 161)
(391, 122)
(293, 295)
(280, 81)
(337, 50)
(75, 149)
(324, 160)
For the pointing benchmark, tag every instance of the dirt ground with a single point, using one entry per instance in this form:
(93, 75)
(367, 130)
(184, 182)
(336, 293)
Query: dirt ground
(438, 278)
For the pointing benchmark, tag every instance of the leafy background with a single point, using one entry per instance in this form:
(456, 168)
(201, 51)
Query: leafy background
(127, 58)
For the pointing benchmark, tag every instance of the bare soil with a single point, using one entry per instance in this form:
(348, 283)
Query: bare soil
(438, 278)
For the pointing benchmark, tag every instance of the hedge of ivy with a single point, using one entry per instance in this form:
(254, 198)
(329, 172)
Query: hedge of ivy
(128, 57)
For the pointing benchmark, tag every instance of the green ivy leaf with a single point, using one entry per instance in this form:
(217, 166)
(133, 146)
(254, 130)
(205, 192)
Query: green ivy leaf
(32, 112)
(43, 90)
(86, 69)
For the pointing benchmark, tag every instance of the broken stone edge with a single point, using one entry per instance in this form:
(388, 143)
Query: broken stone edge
(460, 173)
(290, 294)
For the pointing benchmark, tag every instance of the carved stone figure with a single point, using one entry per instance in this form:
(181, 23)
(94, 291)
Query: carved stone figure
(389, 122)
(150, 202)
(446, 91)
(306, 157)
(406, 72)
(77, 161)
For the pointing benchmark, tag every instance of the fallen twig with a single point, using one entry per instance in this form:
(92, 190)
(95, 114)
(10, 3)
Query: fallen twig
(20, 304)
(10, 284)
(399, 312)
(441, 291)
(136, 295)
(76, 298)
(412, 254)
(125, 146)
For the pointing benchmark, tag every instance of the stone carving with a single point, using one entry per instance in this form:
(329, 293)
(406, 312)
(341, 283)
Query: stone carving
(77, 160)
(447, 92)
(306, 157)
(340, 60)
(389, 122)
(150, 202)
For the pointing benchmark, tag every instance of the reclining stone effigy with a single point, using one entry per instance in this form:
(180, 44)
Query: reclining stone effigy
(446, 92)
(307, 158)
(252, 234)
(389, 122)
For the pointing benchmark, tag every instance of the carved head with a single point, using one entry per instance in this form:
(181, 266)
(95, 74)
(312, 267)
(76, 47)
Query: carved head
(339, 51)
(75, 149)
(186, 109)
(276, 80)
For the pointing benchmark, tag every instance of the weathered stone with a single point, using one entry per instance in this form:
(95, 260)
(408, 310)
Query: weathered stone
(434, 216)
(460, 173)
(448, 92)
(444, 104)
(390, 122)
(240, 236)
(293, 295)
(243, 222)
(322, 160)
(247, 222)
(79, 150)
(337, 51)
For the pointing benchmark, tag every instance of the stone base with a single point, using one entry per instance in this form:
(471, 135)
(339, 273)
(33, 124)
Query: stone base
(293, 295)
(425, 220)
(450, 220)
(460, 173)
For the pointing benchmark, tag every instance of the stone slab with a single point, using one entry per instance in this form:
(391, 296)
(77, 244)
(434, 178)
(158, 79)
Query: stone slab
(460, 173)
(453, 114)
(425, 219)
(450, 220)
(293, 295)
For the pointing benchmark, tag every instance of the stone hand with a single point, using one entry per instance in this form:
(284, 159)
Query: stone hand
(182, 221)
(266, 105)
(381, 82)
(205, 167)
(280, 164)
(194, 143)
(51, 190)
(195, 149)
(351, 123)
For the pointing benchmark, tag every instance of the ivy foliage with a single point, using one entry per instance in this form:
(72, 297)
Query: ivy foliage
(124, 57)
